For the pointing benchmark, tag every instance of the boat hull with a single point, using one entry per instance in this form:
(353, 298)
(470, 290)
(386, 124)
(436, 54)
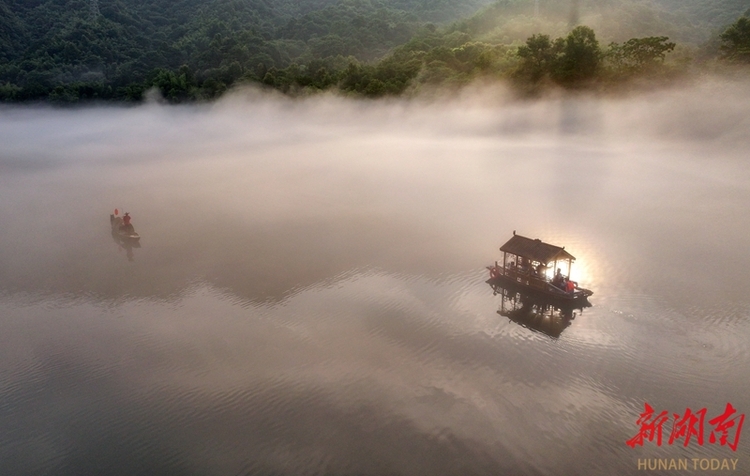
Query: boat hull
(121, 232)
(547, 294)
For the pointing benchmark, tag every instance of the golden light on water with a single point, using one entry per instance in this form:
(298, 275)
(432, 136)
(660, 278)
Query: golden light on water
(581, 272)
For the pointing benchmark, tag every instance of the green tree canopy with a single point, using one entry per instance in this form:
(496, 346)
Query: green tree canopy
(538, 56)
(735, 41)
(638, 55)
(579, 59)
(569, 61)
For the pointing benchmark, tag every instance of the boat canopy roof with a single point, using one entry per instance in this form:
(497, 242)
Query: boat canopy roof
(535, 250)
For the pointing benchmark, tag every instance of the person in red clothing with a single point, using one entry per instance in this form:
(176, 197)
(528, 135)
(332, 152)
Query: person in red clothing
(570, 286)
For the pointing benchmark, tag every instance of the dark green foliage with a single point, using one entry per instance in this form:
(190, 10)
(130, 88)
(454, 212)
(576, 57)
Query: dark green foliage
(63, 51)
(735, 41)
(577, 60)
(638, 55)
(173, 86)
(710, 14)
(389, 77)
(579, 57)
(9, 92)
(571, 61)
(50, 48)
(538, 58)
(348, 28)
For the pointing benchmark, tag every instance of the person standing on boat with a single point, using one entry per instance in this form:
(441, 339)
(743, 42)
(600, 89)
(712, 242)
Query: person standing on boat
(126, 222)
(558, 279)
(524, 265)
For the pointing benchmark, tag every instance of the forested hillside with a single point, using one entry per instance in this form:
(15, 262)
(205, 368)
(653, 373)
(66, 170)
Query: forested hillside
(685, 21)
(530, 44)
(115, 43)
(68, 50)
(709, 15)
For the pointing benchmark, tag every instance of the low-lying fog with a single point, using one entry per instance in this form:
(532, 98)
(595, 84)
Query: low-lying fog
(339, 178)
(309, 294)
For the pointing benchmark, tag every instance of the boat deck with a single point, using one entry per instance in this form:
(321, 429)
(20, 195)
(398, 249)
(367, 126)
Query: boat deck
(527, 281)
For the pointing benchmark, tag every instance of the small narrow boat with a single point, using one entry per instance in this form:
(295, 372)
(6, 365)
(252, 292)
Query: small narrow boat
(524, 267)
(122, 231)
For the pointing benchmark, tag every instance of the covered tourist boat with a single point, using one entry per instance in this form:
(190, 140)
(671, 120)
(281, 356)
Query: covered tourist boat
(539, 269)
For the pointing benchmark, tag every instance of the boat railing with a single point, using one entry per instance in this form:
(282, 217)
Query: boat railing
(528, 277)
(525, 276)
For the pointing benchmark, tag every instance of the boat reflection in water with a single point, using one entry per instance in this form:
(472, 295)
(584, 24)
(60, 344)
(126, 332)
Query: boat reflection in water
(548, 316)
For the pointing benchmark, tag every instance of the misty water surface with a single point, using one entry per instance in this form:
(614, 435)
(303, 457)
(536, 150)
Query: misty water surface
(309, 296)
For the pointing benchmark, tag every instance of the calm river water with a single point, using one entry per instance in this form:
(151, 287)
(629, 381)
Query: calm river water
(309, 295)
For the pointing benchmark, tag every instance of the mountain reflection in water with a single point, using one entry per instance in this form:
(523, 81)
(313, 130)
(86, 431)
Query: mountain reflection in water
(310, 295)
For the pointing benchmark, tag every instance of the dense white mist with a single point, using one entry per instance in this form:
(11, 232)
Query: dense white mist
(700, 112)
(354, 183)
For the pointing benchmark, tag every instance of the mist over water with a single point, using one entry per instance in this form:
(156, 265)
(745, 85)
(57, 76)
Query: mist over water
(309, 293)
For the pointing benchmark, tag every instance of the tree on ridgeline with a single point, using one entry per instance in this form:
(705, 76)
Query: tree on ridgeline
(579, 59)
(538, 57)
(570, 62)
(735, 41)
(638, 55)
